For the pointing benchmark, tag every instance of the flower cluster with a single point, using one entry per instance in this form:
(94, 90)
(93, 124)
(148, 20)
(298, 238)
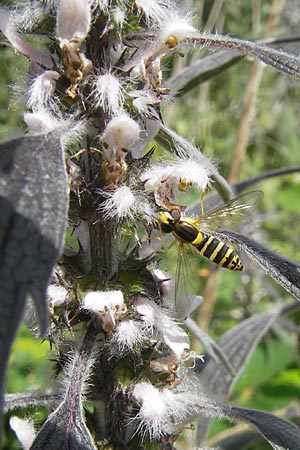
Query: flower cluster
(101, 88)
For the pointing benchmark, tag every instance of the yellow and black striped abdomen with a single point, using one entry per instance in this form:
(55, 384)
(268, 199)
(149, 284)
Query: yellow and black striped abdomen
(217, 251)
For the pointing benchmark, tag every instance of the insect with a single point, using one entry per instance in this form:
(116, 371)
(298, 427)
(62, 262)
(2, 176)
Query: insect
(197, 232)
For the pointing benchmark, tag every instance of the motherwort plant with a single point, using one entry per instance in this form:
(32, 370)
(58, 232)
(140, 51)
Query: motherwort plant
(81, 192)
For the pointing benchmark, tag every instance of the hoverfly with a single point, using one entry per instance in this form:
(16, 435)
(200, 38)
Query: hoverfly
(197, 231)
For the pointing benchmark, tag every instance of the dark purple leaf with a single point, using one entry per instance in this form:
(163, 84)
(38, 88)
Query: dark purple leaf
(278, 432)
(285, 272)
(237, 344)
(201, 71)
(65, 428)
(33, 204)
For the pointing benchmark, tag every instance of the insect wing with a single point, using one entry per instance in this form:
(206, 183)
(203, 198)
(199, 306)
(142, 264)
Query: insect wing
(233, 211)
(185, 300)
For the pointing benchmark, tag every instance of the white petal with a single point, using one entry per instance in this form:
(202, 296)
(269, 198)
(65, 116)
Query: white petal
(73, 19)
(98, 301)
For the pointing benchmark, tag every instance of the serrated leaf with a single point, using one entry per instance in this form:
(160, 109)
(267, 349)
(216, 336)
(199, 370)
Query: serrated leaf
(238, 345)
(280, 433)
(278, 59)
(284, 271)
(33, 203)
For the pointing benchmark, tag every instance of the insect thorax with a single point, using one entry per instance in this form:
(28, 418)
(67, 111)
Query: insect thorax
(186, 231)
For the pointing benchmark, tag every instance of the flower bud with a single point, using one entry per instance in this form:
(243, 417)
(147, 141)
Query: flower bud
(121, 132)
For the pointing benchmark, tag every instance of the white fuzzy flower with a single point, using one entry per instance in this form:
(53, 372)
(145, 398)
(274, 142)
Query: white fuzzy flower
(121, 132)
(153, 412)
(107, 93)
(108, 305)
(172, 335)
(43, 121)
(56, 295)
(127, 335)
(98, 301)
(73, 20)
(165, 180)
(154, 10)
(163, 411)
(178, 174)
(42, 89)
(122, 203)
(174, 28)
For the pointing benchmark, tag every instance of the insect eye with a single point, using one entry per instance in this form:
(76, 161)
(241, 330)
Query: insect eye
(175, 214)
